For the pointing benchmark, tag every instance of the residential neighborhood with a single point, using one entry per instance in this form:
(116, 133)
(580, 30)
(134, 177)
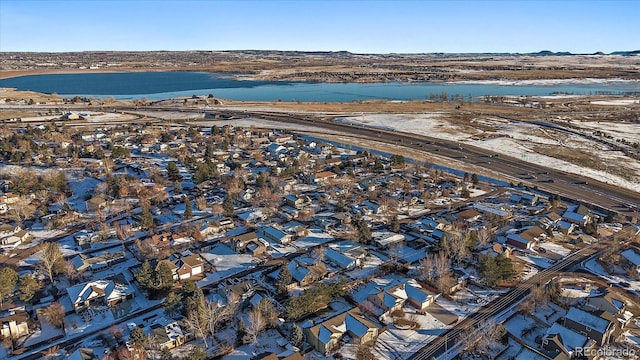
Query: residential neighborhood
(136, 241)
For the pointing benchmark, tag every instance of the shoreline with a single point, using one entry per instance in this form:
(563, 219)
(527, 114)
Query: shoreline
(9, 74)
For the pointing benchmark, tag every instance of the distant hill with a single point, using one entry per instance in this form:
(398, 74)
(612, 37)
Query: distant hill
(626, 53)
(550, 53)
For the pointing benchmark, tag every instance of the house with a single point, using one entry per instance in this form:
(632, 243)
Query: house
(248, 242)
(190, 266)
(561, 340)
(99, 293)
(7, 230)
(566, 227)
(294, 201)
(632, 256)
(589, 325)
(407, 293)
(161, 240)
(325, 337)
(519, 242)
(324, 176)
(432, 224)
(180, 238)
(418, 297)
(275, 235)
(15, 325)
(575, 218)
(305, 271)
(16, 238)
(387, 239)
(606, 302)
(340, 260)
(168, 336)
(469, 215)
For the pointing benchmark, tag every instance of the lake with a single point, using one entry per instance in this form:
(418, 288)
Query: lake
(163, 85)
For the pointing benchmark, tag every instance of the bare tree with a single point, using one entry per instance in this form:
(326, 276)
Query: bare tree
(52, 352)
(455, 246)
(395, 251)
(255, 325)
(318, 254)
(197, 321)
(54, 314)
(426, 268)
(539, 296)
(71, 272)
(526, 306)
(214, 315)
(22, 209)
(484, 236)
(146, 249)
(50, 257)
(201, 203)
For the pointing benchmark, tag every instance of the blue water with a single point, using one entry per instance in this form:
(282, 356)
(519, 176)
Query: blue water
(163, 85)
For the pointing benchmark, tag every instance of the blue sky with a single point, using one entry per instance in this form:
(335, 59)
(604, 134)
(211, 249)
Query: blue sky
(359, 26)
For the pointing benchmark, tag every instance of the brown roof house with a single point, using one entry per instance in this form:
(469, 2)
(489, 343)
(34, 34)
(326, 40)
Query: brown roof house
(190, 266)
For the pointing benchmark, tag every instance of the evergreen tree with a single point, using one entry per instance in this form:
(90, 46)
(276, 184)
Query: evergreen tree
(395, 223)
(165, 354)
(188, 211)
(197, 353)
(284, 278)
(474, 179)
(27, 287)
(139, 338)
(172, 304)
(164, 276)
(297, 337)
(146, 218)
(173, 172)
(8, 281)
(145, 276)
(227, 206)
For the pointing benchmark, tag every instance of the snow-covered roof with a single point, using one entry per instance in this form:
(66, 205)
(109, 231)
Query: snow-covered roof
(589, 320)
(340, 259)
(570, 339)
(416, 293)
(632, 256)
(98, 288)
(571, 216)
(273, 232)
(324, 334)
(355, 326)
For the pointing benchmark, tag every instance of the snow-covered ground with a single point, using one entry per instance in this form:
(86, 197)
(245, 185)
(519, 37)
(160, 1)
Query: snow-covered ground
(547, 81)
(555, 248)
(395, 343)
(514, 138)
(595, 268)
(539, 261)
(227, 262)
(616, 102)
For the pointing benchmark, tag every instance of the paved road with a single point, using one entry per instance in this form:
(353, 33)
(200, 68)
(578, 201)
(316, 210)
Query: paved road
(454, 336)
